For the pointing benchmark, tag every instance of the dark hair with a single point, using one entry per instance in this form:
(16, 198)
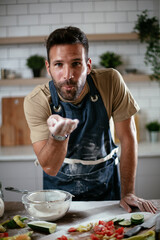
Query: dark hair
(67, 35)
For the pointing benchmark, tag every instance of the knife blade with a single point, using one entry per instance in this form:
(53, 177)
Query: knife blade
(147, 224)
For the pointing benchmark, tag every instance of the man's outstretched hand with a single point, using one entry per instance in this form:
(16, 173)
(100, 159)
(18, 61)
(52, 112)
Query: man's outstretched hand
(130, 200)
(61, 126)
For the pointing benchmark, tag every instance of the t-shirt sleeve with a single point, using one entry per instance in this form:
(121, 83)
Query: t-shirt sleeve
(116, 96)
(37, 111)
(124, 105)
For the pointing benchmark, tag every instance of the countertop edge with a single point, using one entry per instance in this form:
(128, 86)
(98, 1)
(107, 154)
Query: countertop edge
(26, 153)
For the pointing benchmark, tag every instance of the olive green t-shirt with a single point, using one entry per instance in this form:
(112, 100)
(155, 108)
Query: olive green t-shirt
(117, 99)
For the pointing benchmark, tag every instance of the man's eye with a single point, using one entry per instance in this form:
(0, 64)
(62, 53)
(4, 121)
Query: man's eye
(58, 64)
(74, 64)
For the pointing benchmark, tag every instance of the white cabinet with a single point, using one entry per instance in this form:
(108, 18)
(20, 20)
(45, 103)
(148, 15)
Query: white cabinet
(21, 175)
(148, 170)
(148, 177)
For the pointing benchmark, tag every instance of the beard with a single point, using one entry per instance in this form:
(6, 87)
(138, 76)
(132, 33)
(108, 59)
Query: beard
(68, 89)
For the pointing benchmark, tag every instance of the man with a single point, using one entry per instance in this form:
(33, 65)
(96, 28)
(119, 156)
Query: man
(69, 122)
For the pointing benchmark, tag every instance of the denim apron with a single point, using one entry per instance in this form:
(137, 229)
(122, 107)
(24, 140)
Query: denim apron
(90, 170)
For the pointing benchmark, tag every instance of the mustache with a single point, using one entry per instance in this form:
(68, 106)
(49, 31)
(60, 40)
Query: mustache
(68, 82)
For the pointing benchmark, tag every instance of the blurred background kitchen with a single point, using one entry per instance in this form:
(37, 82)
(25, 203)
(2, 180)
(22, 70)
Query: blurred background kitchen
(109, 25)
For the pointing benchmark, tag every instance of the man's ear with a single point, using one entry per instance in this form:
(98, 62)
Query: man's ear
(89, 65)
(47, 67)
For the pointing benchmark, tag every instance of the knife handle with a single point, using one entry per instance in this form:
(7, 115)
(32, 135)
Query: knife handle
(133, 231)
(157, 228)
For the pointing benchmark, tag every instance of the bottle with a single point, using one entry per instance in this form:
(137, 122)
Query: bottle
(1, 192)
(1, 201)
(3, 73)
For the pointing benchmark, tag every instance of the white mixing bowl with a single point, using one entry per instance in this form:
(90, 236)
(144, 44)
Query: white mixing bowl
(47, 204)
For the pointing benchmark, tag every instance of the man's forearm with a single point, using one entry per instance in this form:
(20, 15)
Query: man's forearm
(128, 174)
(128, 165)
(52, 155)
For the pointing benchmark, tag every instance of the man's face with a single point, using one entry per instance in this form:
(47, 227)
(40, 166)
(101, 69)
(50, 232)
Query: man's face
(68, 69)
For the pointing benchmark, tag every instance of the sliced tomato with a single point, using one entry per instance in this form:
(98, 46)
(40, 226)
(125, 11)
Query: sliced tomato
(5, 234)
(63, 238)
(120, 230)
(99, 229)
(105, 228)
(101, 223)
(119, 233)
(109, 232)
(72, 229)
(93, 237)
(110, 225)
(119, 236)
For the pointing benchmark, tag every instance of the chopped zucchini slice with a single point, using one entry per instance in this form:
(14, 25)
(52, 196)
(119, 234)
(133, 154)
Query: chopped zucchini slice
(2, 229)
(18, 221)
(117, 220)
(125, 223)
(137, 218)
(43, 226)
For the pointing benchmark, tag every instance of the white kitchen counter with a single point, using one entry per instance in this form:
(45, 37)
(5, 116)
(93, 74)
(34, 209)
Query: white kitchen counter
(23, 153)
(148, 149)
(17, 153)
(18, 163)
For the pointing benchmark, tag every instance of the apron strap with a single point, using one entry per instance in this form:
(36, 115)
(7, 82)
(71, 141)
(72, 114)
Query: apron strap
(54, 94)
(93, 90)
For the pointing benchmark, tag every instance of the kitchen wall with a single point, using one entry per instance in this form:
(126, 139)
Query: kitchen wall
(40, 17)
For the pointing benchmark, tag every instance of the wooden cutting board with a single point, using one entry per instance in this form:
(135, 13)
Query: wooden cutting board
(86, 235)
(14, 130)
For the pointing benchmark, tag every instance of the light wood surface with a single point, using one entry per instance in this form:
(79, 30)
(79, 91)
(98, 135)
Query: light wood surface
(91, 37)
(23, 81)
(14, 130)
(79, 213)
(41, 80)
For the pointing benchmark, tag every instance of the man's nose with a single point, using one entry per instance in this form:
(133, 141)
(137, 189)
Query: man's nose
(68, 72)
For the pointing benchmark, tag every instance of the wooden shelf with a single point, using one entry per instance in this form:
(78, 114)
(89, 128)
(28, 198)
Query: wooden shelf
(91, 37)
(136, 77)
(113, 37)
(23, 81)
(22, 40)
(36, 81)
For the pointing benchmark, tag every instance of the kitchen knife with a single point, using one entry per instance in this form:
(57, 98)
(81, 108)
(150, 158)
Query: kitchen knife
(157, 228)
(147, 224)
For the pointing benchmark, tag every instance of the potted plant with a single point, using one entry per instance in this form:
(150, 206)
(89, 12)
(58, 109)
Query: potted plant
(110, 60)
(153, 128)
(148, 30)
(36, 63)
